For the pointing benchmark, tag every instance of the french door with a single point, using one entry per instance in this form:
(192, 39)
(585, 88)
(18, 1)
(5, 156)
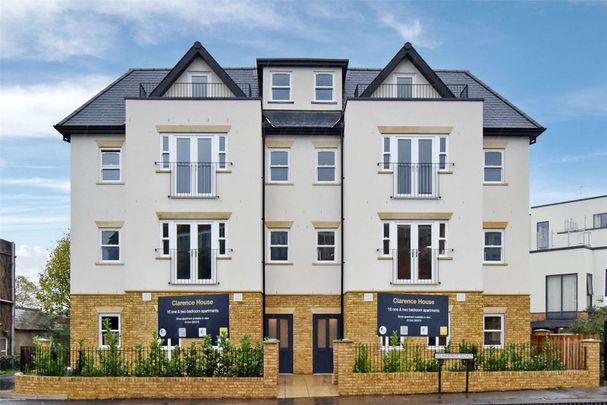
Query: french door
(415, 258)
(194, 170)
(415, 168)
(194, 262)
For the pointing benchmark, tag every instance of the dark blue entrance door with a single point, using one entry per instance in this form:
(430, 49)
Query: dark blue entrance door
(325, 331)
(281, 327)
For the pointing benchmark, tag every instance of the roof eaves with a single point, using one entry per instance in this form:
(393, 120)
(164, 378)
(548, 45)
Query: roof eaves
(496, 94)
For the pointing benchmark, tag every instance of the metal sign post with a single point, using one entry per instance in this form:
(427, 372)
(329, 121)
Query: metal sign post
(467, 357)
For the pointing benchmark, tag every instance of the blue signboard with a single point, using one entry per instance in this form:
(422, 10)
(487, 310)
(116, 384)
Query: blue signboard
(193, 316)
(412, 314)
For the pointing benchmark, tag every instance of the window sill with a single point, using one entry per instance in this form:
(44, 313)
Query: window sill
(326, 264)
(279, 264)
(326, 183)
(110, 183)
(495, 184)
(495, 264)
(281, 102)
(445, 257)
(385, 172)
(109, 263)
(275, 183)
(324, 102)
(163, 257)
(384, 257)
(223, 257)
(163, 170)
(444, 172)
(223, 171)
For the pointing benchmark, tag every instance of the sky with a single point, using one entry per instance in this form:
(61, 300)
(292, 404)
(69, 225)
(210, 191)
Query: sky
(548, 57)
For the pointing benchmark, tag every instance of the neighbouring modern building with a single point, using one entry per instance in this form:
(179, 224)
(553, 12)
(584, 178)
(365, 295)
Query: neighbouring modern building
(568, 260)
(300, 199)
(7, 296)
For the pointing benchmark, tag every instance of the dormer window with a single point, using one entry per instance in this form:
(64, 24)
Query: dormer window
(200, 83)
(281, 86)
(324, 87)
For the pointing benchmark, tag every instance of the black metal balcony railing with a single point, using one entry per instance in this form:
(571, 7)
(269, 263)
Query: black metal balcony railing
(414, 266)
(414, 91)
(195, 90)
(193, 266)
(561, 315)
(193, 179)
(415, 180)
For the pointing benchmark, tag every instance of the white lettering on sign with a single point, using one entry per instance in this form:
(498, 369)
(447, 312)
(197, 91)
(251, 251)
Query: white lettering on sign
(454, 356)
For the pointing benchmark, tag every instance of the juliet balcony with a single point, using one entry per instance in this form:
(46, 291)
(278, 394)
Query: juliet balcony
(193, 179)
(413, 91)
(194, 90)
(415, 180)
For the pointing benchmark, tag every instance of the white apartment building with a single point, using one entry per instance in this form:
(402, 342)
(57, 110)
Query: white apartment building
(568, 260)
(294, 199)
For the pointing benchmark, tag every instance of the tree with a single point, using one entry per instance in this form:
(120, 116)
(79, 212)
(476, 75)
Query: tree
(54, 294)
(594, 324)
(26, 293)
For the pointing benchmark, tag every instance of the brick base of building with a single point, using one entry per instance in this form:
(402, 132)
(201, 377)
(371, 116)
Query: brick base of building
(466, 311)
(302, 308)
(139, 317)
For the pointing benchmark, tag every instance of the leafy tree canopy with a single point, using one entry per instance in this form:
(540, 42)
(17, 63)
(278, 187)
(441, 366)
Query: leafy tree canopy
(54, 293)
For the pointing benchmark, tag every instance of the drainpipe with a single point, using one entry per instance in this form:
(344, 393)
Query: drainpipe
(263, 227)
(341, 295)
(14, 260)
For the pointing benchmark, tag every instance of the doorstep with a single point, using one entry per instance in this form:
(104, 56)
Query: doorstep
(306, 386)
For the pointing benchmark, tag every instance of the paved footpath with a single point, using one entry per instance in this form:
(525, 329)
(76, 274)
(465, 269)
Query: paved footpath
(564, 396)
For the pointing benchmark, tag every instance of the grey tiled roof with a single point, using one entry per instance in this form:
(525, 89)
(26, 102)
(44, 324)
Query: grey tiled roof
(107, 108)
(302, 119)
(35, 319)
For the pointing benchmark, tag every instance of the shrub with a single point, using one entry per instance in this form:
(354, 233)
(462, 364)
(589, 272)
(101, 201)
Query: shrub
(363, 362)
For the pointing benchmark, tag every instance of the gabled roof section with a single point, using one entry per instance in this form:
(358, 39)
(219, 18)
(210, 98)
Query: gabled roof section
(197, 50)
(408, 52)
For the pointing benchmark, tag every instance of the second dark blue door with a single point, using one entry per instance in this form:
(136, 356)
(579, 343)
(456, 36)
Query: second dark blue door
(325, 331)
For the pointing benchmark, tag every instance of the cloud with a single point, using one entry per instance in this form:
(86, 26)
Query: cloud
(577, 104)
(582, 157)
(53, 184)
(50, 102)
(30, 261)
(56, 30)
(410, 30)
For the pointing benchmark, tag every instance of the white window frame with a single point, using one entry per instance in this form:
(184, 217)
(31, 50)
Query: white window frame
(501, 167)
(112, 167)
(270, 165)
(386, 152)
(191, 79)
(270, 245)
(165, 152)
(394, 246)
(289, 87)
(334, 166)
(413, 83)
(101, 330)
(164, 238)
(223, 238)
(101, 245)
(386, 238)
(502, 246)
(334, 246)
(443, 166)
(222, 152)
(502, 331)
(445, 251)
(317, 87)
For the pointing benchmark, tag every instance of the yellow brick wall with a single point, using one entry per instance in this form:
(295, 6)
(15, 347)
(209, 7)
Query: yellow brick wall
(360, 318)
(419, 382)
(83, 388)
(302, 307)
(139, 319)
